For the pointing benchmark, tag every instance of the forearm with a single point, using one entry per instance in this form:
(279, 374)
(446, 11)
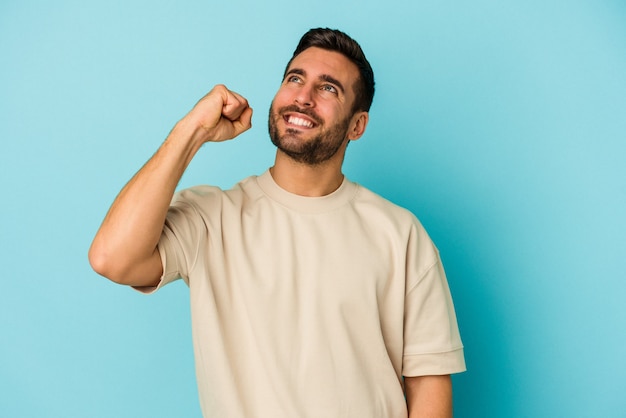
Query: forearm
(429, 396)
(124, 249)
(131, 229)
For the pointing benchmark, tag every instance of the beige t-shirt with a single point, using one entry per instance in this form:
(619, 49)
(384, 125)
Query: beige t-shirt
(308, 307)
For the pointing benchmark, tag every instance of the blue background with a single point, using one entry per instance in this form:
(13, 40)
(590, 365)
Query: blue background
(501, 124)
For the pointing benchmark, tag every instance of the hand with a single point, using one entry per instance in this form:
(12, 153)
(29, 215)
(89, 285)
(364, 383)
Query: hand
(220, 115)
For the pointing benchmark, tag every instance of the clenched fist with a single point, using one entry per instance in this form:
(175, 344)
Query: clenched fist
(220, 115)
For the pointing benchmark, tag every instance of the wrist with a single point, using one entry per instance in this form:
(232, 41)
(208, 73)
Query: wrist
(183, 142)
(189, 134)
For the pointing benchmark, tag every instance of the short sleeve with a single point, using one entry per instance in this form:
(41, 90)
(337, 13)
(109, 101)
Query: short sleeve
(432, 343)
(179, 243)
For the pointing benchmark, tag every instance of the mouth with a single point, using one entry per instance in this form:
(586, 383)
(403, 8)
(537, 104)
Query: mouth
(299, 120)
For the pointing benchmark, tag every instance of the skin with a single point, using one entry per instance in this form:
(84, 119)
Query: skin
(312, 110)
(304, 97)
(325, 105)
(124, 249)
(429, 396)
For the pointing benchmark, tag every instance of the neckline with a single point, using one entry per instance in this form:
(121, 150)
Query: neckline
(344, 194)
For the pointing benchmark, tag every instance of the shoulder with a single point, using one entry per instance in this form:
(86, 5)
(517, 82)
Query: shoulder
(203, 194)
(377, 205)
(392, 217)
(196, 193)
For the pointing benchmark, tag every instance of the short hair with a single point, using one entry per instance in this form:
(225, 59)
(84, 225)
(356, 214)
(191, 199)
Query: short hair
(337, 41)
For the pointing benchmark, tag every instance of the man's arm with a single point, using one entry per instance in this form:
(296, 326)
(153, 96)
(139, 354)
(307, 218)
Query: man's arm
(125, 247)
(429, 396)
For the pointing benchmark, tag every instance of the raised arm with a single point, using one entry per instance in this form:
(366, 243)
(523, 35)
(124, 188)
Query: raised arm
(125, 247)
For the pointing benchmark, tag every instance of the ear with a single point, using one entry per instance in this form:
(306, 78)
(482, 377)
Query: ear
(358, 125)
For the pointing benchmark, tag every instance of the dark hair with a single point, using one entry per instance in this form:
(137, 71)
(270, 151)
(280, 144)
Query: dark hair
(335, 40)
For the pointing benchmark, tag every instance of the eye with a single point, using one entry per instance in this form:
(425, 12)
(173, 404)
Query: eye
(329, 88)
(294, 79)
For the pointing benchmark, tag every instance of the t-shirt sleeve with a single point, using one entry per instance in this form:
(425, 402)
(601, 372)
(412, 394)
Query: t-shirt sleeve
(432, 343)
(179, 243)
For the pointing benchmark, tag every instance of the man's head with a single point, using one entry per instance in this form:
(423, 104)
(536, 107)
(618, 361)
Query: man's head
(324, 98)
(337, 41)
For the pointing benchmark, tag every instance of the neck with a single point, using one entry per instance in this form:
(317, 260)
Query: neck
(307, 180)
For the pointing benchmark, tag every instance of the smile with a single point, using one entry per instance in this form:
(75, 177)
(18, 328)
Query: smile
(298, 121)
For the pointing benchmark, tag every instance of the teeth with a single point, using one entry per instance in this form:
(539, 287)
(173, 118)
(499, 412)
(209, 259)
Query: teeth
(300, 122)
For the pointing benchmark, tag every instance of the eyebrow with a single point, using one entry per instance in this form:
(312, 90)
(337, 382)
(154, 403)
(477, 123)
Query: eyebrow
(324, 77)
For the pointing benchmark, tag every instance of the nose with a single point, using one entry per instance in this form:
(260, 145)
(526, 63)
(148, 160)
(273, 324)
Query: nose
(304, 97)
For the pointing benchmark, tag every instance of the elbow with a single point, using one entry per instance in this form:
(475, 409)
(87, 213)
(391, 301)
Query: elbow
(120, 268)
(105, 265)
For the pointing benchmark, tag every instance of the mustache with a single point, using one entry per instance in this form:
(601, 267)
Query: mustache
(308, 112)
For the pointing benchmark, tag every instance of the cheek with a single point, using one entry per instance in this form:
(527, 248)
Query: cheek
(335, 114)
(283, 96)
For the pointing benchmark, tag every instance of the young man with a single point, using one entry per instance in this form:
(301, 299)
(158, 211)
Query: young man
(311, 296)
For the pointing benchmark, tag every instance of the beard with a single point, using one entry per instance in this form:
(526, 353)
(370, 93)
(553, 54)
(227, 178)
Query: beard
(312, 151)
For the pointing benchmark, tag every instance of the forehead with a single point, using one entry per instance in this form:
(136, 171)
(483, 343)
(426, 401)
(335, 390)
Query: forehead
(316, 62)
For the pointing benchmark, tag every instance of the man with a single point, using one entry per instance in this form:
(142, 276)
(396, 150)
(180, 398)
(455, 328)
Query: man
(310, 295)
